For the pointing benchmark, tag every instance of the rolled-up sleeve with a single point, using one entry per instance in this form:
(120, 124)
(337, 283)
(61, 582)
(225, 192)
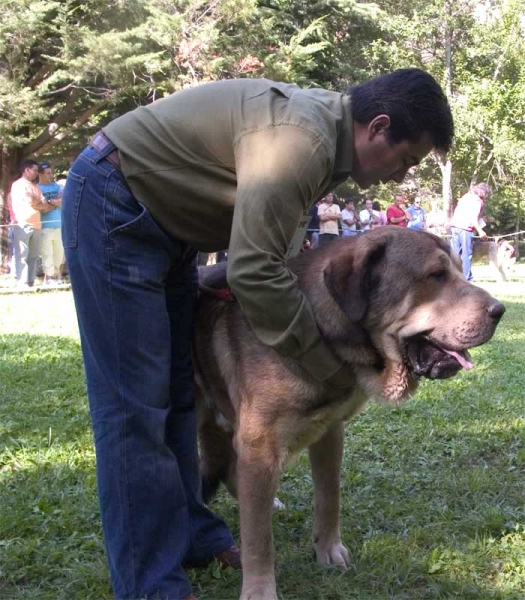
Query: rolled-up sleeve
(281, 170)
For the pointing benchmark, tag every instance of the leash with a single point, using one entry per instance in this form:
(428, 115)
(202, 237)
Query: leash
(224, 294)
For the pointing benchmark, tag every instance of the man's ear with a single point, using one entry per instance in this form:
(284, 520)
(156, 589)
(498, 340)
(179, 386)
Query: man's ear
(349, 277)
(378, 126)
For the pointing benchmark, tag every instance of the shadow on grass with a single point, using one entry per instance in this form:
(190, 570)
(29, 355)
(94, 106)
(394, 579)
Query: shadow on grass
(42, 390)
(432, 502)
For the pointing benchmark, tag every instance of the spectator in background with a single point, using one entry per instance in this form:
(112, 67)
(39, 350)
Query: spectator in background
(466, 221)
(349, 218)
(368, 217)
(437, 220)
(395, 214)
(329, 214)
(417, 215)
(382, 217)
(52, 250)
(27, 204)
(313, 226)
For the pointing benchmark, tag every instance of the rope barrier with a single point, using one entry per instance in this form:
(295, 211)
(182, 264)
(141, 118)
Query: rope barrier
(447, 235)
(46, 222)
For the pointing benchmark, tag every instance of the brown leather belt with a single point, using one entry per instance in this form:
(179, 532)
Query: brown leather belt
(99, 142)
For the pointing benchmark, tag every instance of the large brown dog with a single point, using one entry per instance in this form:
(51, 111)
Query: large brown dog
(395, 307)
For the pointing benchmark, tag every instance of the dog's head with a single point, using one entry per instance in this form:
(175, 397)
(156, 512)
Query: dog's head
(406, 290)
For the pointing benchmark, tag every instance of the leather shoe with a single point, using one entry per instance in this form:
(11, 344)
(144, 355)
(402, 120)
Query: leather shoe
(228, 558)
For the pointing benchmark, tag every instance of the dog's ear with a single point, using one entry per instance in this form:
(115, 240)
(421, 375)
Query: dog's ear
(350, 276)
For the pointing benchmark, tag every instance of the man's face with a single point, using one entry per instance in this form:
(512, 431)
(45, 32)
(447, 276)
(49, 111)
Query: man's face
(329, 198)
(46, 176)
(31, 173)
(399, 200)
(417, 202)
(378, 160)
(350, 206)
(368, 204)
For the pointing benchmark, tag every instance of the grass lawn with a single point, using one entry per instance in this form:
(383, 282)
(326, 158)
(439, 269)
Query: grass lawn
(433, 492)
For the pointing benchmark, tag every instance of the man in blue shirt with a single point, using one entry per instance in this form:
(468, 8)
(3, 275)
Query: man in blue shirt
(52, 250)
(417, 215)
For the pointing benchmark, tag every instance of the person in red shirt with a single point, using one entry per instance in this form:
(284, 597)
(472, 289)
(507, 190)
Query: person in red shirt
(395, 214)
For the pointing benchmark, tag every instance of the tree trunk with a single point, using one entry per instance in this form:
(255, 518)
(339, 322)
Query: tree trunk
(517, 237)
(445, 164)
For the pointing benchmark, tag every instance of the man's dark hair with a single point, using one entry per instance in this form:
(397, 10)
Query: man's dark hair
(27, 164)
(376, 205)
(412, 99)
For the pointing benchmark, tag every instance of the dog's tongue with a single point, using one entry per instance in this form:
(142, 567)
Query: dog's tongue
(463, 358)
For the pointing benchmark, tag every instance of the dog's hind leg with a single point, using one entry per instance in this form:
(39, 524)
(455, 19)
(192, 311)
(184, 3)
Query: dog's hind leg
(325, 458)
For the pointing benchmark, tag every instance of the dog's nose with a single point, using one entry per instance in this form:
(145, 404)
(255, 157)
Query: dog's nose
(496, 310)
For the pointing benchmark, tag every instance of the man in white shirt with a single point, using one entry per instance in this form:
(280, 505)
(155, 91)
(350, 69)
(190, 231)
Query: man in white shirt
(466, 221)
(329, 214)
(368, 216)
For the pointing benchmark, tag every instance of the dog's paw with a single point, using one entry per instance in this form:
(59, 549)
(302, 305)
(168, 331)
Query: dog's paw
(334, 554)
(259, 593)
(278, 505)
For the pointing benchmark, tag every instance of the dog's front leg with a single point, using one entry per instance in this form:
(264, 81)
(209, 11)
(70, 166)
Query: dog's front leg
(325, 458)
(257, 476)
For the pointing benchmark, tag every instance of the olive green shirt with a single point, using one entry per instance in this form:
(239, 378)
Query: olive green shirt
(235, 164)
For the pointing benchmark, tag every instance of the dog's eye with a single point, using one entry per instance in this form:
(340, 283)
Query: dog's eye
(439, 276)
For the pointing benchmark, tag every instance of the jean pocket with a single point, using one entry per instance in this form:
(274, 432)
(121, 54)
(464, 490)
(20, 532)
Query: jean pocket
(71, 208)
(125, 215)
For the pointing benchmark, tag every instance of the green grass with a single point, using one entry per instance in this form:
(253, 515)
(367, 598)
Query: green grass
(433, 492)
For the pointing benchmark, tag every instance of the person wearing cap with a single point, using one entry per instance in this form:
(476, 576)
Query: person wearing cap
(52, 250)
(230, 164)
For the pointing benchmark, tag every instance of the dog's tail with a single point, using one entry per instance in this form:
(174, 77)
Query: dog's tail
(210, 485)
(218, 458)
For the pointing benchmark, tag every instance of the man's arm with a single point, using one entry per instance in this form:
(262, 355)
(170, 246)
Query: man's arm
(29, 194)
(56, 201)
(280, 172)
(394, 220)
(364, 217)
(323, 215)
(349, 221)
(38, 201)
(326, 216)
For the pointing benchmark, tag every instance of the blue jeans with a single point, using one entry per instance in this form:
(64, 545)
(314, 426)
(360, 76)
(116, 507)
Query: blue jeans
(462, 243)
(135, 288)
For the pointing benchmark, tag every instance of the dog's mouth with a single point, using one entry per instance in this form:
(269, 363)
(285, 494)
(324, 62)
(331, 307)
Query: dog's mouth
(428, 359)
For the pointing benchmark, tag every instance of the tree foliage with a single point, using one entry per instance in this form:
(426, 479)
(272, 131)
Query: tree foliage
(68, 66)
